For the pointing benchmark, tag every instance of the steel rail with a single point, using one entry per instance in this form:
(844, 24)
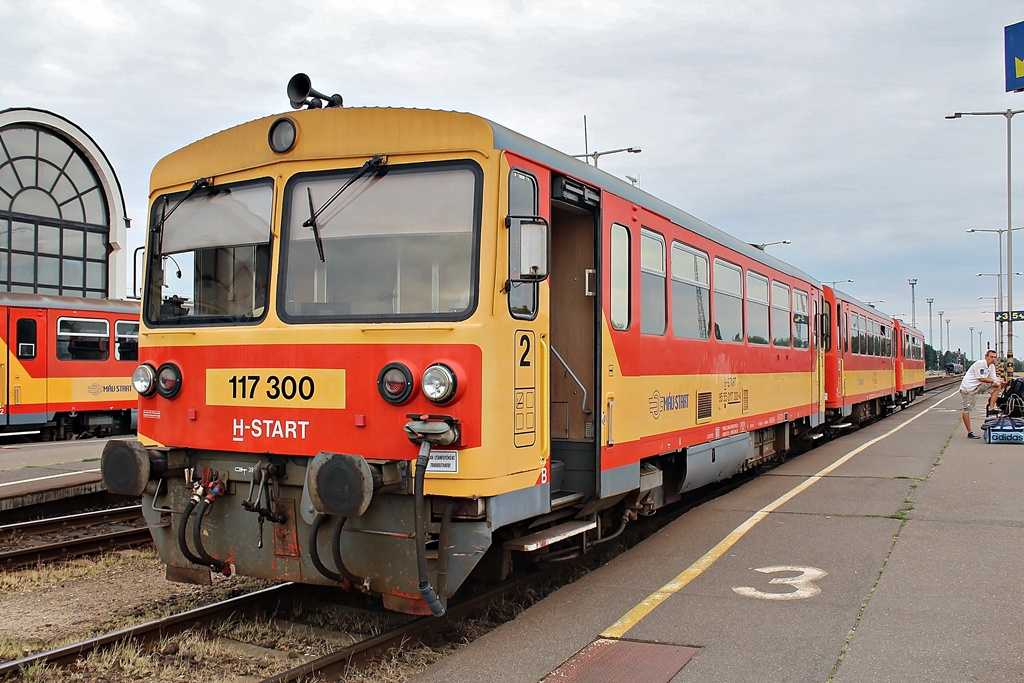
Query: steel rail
(81, 519)
(340, 661)
(243, 604)
(28, 556)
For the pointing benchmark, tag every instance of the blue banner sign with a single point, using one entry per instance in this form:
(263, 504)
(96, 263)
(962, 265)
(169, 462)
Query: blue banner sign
(1006, 316)
(1014, 51)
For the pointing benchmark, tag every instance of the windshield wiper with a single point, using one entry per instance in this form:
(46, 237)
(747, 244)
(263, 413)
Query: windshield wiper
(196, 186)
(377, 160)
(312, 223)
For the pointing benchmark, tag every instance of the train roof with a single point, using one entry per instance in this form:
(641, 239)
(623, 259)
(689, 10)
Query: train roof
(78, 303)
(843, 296)
(507, 139)
(434, 131)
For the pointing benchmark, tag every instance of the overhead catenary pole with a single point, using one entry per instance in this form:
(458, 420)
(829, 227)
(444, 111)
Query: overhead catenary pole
(913, 302)
(931, 342)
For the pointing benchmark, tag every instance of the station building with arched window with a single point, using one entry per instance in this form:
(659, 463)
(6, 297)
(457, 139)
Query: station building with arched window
(63, 228)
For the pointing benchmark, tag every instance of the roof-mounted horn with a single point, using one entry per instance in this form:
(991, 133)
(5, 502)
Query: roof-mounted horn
(301, 94)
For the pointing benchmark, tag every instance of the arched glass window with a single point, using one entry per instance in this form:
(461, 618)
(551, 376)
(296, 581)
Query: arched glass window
(54, 219)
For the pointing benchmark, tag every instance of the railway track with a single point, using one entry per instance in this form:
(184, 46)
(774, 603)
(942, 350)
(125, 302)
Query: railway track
(933, 383)
(277, 599)
(289, 598)
(245, 605)
(63, 538)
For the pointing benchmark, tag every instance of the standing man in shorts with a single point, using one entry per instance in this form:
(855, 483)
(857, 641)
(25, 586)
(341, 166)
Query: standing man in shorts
(982, 373)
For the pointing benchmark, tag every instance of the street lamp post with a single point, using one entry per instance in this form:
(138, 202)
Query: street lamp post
(833, 283)
(1008, 114)
(949, 347)
(768, 244)
(596, 155)
(876, 301)
(913, 302)
(996, 326)
(981, 349)
(999, 277)
(999, 233)
(931, 342)
(971, 335)
(940, 339)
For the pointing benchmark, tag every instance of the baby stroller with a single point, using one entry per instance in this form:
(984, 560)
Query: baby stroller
(1011, 400)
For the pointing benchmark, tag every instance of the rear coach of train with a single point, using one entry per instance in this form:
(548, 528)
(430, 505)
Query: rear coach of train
(380, 344)
(874, 366)
(66, 365)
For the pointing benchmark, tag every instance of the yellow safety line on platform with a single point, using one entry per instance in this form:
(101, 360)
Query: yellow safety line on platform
(49, 476)
(633, 616)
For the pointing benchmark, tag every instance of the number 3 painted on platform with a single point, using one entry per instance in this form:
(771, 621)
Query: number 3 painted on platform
(803, 582)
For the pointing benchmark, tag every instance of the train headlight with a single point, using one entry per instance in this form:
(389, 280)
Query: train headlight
(144, 379)
(394, 382)
(168, 380)
(282, 135)
(439, 383)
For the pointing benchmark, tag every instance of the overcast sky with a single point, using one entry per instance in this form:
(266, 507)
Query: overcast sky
(817, 122)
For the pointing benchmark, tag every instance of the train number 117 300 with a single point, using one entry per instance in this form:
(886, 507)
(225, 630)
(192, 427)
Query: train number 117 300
(275, 387)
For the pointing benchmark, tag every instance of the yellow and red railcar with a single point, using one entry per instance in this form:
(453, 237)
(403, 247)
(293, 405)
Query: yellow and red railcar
(67, 365)
(861, 364)
(405, 339)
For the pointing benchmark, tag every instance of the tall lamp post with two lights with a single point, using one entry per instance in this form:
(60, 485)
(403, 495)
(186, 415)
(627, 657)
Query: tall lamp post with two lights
(1008, 114)
(999, 276)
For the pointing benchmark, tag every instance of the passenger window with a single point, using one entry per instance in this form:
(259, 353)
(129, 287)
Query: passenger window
(652, 283)
(728, 313)
(846, 332)
(781, 320)
(840, 325)
(801, 339)
(619, 257)
(522, 201)
(691, 293)
(126, 340)
(26, 332)
(757, 309)
(83, 339)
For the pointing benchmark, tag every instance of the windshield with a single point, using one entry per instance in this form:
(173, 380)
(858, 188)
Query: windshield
(209, 258)
(398, 242)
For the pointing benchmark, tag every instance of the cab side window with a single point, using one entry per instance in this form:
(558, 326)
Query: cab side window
(522, 201)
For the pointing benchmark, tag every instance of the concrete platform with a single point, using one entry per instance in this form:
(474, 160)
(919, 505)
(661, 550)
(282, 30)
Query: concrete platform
(892, 554)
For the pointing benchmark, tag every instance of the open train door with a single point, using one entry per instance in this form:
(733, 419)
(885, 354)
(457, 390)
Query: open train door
(575, 316)
(24, 377)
